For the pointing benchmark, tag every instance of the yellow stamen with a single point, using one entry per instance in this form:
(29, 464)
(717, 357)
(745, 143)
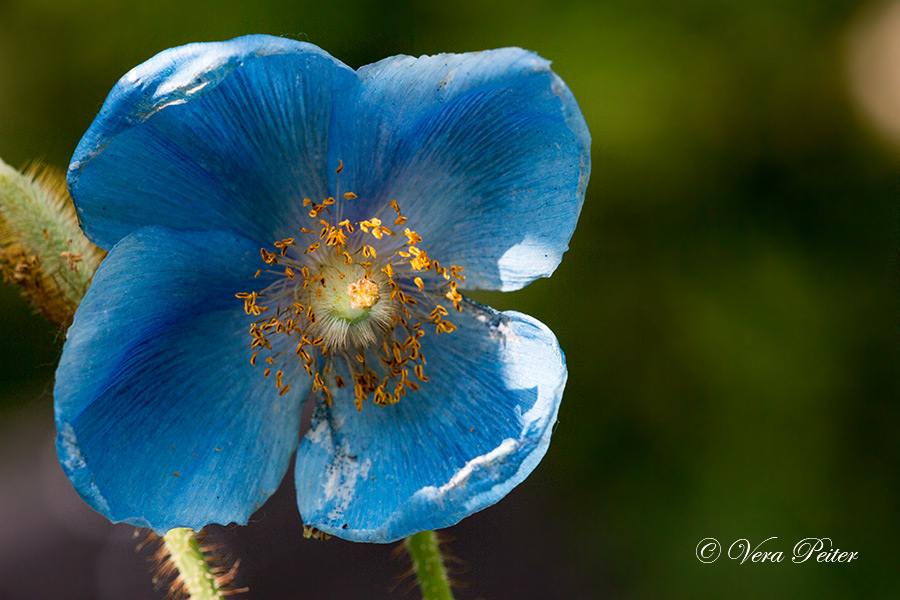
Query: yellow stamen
(269, 258)
(309, 308)
(445, 326)
(412, 237)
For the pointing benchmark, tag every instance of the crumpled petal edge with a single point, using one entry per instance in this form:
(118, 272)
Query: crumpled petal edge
(175, 76)
(485, 479)
(547, 256)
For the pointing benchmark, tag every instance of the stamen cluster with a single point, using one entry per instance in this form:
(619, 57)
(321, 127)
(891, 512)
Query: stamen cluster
(351, 307)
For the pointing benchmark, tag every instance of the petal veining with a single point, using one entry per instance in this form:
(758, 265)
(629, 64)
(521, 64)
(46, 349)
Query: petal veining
(470, 434)
(161, 420)
(216, 136)
(487, 153)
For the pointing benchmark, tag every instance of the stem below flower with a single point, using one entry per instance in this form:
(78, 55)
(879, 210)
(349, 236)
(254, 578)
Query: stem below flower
(429, 566)
(194, 570)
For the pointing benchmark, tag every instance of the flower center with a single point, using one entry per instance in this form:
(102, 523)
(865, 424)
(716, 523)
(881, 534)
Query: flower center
(346, 300)
(349, 306)
(363, 294)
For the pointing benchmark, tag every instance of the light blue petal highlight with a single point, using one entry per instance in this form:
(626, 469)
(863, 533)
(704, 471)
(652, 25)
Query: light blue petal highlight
(474, 431)
(216, 136)
(487, 154)
(155, 380)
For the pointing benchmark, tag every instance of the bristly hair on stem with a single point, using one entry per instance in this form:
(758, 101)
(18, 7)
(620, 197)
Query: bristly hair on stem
(454, 566)
(42, 248)
(193, 569)
(428, 565)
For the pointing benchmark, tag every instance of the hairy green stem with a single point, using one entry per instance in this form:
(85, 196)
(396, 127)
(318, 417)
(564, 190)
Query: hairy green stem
(426, 557)
(42, 248)
(194, 570)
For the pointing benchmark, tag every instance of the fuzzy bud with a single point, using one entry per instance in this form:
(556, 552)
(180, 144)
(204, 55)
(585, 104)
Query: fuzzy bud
(42, 248)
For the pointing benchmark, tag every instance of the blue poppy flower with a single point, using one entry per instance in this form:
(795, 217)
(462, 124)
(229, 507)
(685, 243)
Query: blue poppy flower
(281, 228)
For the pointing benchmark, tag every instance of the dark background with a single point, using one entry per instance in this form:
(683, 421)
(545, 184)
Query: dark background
(728, 306)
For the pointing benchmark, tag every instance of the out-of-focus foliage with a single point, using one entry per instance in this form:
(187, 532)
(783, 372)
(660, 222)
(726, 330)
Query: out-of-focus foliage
(728, 307)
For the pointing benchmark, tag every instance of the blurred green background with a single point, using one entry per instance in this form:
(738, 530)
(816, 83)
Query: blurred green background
(728, 305)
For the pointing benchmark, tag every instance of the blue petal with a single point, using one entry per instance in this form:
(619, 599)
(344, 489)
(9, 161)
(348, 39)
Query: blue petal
(475, 430)
(486, 153)
(161, 420)
(229, 136)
